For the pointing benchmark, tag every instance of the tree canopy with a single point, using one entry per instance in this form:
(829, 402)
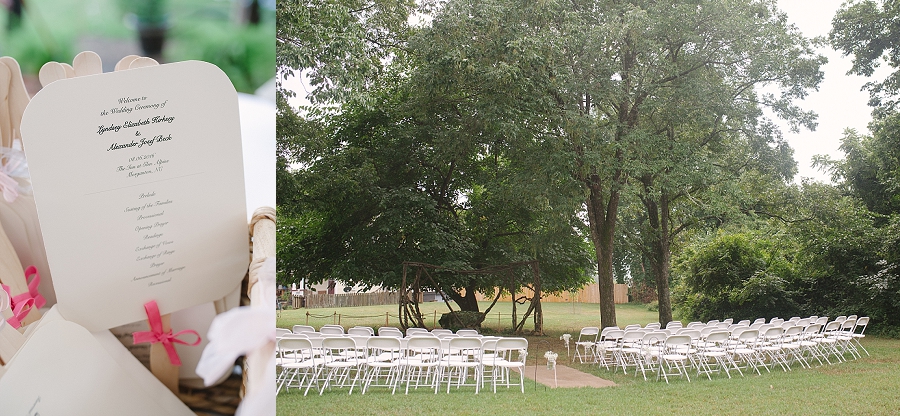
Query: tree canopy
(622, 139)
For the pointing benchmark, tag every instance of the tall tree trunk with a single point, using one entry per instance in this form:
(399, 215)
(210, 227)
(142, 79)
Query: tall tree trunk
(467, 302)
(602, 219)
(660, 253)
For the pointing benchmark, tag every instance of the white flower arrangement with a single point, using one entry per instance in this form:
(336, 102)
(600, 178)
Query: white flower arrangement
(551, 359)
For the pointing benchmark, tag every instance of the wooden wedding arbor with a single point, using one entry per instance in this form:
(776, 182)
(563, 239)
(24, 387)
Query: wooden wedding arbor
(411, 292)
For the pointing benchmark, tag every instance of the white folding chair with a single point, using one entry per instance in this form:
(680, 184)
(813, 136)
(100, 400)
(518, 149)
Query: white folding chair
(302, 328)
(389, 331)
(343, 362)
(297, 360)
(468, 333)
(463, 354)
(488, 353)
(629, 352)
(651, 349)
(361, 330)
(861, 325)
(422, 361)
(675, 358)
(331, 330)
(845, 337)
(770, 348)
(510, 353)
(744, 350)
(411, 331)
(713, 351)
(383, 363)
(809, 345)
(584, 346)
(608, 346)
(828, 341)
(792, 347)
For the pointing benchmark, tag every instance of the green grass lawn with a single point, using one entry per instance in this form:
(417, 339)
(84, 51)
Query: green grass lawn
(866, 386)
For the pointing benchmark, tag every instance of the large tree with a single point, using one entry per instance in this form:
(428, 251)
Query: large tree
(613, 93)
(380, 185)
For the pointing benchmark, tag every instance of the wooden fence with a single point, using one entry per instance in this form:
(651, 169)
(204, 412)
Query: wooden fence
(587, 294)
(340, 300)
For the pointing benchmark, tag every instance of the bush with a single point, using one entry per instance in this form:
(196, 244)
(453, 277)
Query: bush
(739, 275)
(469, 319)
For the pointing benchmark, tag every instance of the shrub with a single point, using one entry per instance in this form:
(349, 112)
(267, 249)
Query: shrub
(739, 275)
(469, 319)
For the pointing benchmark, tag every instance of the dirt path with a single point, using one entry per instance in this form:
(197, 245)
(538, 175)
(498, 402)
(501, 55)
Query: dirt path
(565, 377)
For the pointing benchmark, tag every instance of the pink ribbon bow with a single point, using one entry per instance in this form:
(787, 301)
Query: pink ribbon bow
(23, 303)
(19, 310)
(156, 334)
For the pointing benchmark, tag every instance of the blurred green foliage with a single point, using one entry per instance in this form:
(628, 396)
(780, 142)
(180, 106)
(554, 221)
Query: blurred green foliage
(198, 29)
(245, 53)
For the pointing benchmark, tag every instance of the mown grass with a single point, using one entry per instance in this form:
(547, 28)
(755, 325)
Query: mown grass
(867, 386)
(558, 317)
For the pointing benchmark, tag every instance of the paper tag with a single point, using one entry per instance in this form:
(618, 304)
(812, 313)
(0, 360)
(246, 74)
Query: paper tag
(138, 181)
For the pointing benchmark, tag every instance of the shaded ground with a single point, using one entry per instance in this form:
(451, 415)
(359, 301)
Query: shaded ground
(565, 377)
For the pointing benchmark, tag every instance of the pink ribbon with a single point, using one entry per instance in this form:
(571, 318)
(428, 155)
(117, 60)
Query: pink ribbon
(19, 310)
(23, 303)
(156, 334)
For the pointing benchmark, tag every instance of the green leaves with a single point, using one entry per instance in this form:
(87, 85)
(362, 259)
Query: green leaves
(868, 31)
(741, 275)
(341, 45)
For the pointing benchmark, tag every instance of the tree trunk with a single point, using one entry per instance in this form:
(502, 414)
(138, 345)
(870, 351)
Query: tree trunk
(660, 253)
(467, 302)
(538, 311)
(602, 219)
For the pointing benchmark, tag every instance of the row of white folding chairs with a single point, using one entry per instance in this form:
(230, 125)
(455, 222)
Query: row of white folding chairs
(367, 330)
(774, 346)
(332, 329)
(675, 354)
(337, 361)
(590, 338)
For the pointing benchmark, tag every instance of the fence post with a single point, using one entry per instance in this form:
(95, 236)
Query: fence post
(334, 317)
(339, 319)
(498, 321)
(307, 317)
(385, 319)
(434, 320)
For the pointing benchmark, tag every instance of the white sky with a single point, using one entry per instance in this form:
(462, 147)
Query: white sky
(839, 102)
